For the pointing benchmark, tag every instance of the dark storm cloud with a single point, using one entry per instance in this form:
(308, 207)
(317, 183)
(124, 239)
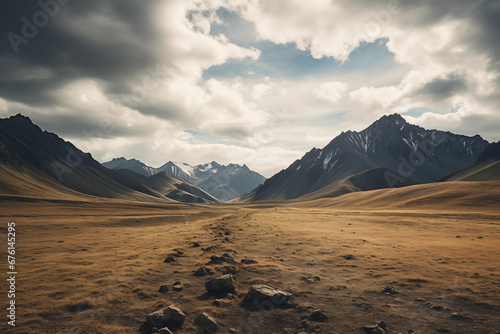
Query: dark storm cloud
(442, 88)
(486, 17)
(109, 41)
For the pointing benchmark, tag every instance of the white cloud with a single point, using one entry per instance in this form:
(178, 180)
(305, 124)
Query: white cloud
(446, 46)
(331, 91)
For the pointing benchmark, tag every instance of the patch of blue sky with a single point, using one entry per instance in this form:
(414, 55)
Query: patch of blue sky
(285, 61)
(417, 112)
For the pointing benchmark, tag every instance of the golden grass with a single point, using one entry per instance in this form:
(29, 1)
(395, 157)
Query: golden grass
(95, 267)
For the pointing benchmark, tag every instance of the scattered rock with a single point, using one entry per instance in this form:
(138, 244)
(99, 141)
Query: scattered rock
(177, 253)
(221, 285)
(208, 249)
(171, 317)
(261, 295)
(349, 257)
(233, 330)
(318, 316)
(461, 317)
(196, 244)
(248, 261)
(311, 279)
(203, 271)
(163, 289)
(434, 307)
(178, 287)
(170, 259)
(206, 323)
(214, 259)
(390, 290)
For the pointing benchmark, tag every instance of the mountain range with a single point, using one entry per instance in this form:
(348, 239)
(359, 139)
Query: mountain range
(223, 182)
(389, 153)
(36, 163)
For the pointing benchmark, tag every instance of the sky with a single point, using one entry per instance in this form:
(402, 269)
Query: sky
(245, 81)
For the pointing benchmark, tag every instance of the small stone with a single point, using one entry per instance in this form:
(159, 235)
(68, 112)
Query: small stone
(434, 307)
(221, 285)
(318, 316)
(458, 316)
(206, 323)
(233, 330)
(390, 290)
(178, 287)
(163, 289)
(248, 261)
(208, 249)
(170, 259)
(196, 244)
(349, 257)
(202, 271)
(214, 259)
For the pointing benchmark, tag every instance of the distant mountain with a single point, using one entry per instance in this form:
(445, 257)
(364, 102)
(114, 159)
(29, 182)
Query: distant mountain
(39, 163)
(132, 164)
(223, 182)
(408, 154)
(486, 168)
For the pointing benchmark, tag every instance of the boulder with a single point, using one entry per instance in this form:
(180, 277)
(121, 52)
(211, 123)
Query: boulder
(260, 292)
(221, 285)
(171, 317)
(206, 323)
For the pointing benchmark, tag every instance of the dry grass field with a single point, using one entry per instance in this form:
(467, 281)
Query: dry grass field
(96, 267)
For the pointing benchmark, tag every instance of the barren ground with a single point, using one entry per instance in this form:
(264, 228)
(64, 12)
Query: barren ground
(96, 267)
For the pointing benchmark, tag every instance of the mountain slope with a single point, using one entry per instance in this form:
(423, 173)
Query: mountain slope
(486, 168)
(452, 196)
(222, 182)
(406, 151)
(370, 179)
(36, 163)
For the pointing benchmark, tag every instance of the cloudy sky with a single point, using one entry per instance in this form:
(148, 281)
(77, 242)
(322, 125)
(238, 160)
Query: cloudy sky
(247, 81)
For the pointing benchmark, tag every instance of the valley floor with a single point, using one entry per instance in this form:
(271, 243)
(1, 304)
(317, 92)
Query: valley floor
(95, 267)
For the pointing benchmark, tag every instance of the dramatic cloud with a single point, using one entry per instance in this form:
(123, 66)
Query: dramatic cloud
(247, 81)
